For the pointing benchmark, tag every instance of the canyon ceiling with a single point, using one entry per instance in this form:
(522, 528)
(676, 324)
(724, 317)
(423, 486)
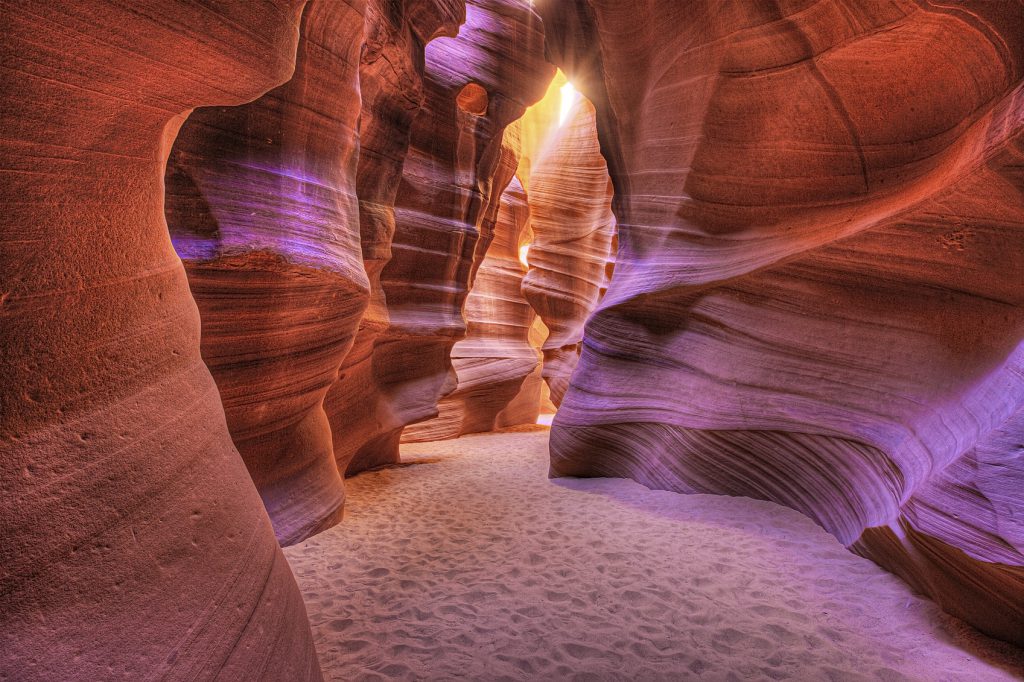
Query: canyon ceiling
(777, 251)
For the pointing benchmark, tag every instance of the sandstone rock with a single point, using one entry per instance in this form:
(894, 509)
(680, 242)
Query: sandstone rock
(573, 226)
(534, 399)
(261, 203)
(447, 201)
(496, 356)
(134, 543)
(817, 298)
(391, 84)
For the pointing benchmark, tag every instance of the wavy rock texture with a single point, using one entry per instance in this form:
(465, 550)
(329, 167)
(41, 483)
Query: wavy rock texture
(134, 543)
(391, 84)
(539, 126)
(447, 201)
(573, 225)
(262, 209)
(818, 296)
(496, 357)
(534, 398)
(527, 404)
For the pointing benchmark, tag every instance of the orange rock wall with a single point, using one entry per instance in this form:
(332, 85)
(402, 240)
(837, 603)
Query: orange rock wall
(261, 204)
(496, 357)
(573, 227)
(444, 210)
(817, 297)
(134, 542)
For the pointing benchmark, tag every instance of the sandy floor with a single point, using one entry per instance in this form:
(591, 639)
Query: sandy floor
(471, 564)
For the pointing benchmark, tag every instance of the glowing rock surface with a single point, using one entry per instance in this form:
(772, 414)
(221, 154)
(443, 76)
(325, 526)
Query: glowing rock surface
(817, 298)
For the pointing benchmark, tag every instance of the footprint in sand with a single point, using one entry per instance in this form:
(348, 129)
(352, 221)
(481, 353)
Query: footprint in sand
(584, 652)
(353, 645)
(780, 634)
(339, 624)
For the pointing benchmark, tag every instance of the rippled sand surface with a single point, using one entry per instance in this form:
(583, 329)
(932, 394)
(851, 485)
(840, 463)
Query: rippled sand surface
(468, 563)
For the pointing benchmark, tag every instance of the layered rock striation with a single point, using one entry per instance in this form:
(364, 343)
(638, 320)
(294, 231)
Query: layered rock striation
(391, 84)
(261, 204)
(817, 298)
(573, 227)
(496, 357)
(447, 200)
(134, 543)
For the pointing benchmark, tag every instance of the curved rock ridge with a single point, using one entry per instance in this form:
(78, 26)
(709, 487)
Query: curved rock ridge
(533, 402)
(496, 356)
(817, 298)
(573, 226)
(499, 381)
(261, 204)
(539, 126)
(134, 543)
(474, 86)
(391, 75)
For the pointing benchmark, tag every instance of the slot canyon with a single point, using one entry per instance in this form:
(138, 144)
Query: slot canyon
(512, 340)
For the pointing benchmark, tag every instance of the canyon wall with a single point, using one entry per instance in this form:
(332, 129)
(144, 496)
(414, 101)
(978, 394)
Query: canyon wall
(573, 226)
(496, 357)
(261, 204)
(817, 298)
(432, 234)
(391, 75)
(134, 542)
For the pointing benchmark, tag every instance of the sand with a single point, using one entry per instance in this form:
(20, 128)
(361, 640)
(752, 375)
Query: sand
(470, 564)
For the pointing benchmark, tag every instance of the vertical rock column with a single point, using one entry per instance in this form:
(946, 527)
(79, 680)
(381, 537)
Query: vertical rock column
(261, 203)
(573, 226)
(495, 358)
(391, 84)
(517, 318)
(817, 299)
(474, 86)
(134, 543)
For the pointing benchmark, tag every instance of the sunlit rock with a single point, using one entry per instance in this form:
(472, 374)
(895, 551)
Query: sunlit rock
(573, 226)
(817, 298)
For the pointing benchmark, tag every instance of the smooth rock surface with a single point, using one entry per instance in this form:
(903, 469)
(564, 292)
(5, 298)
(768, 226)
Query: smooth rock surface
(573, 227)
(473, 86)
(261, 204)
(496, 357)
(818, 293)
(134, 543)
(391, 75)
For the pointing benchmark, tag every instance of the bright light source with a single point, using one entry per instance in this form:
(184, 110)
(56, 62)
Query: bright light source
(545, 419)
(524, 252)
(569, 99)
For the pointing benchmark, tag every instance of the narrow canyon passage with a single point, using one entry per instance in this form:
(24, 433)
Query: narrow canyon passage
(466, 562)
(289, 290)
